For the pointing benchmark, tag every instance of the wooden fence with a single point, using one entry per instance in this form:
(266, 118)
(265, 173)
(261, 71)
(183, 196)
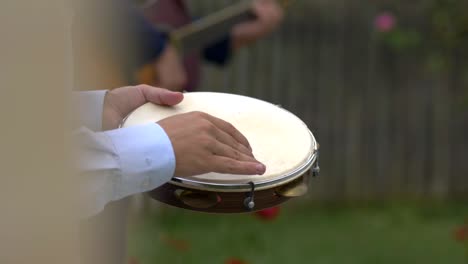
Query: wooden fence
(387, 127)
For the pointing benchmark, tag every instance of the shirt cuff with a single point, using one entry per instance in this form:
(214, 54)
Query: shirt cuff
(88, 106)
(145, 156)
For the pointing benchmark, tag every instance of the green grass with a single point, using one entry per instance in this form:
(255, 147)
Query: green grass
(305, 234)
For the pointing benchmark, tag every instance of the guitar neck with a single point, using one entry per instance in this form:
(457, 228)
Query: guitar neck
(208, 29)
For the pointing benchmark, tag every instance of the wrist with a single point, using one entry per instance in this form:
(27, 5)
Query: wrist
(109, 118)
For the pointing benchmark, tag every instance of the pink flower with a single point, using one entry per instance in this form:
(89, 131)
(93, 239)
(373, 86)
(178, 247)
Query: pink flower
(385, 22)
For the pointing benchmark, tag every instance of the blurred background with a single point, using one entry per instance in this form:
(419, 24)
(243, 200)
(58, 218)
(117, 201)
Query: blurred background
(383, 85)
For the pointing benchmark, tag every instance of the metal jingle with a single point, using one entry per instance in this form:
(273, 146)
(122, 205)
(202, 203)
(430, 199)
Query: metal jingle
(294, 189)
(316, 171)
(200, 200)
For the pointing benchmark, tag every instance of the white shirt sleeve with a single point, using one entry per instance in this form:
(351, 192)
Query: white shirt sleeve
(118, 163)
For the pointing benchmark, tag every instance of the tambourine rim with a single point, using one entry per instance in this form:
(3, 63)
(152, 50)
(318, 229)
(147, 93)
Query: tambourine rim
(242, 187)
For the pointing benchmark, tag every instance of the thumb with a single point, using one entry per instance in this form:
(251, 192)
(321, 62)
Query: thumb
(161, 96)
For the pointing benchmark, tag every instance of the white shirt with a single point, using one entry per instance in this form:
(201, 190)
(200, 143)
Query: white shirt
(117, 163)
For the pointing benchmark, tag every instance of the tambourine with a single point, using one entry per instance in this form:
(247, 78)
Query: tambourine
(278, 138)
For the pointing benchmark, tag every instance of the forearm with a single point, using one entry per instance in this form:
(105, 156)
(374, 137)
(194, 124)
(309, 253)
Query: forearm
(118, 163)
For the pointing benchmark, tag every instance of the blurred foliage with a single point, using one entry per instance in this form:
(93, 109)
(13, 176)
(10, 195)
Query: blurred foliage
(402, 40)
(450, 23)
(441, 37)
(437, 35)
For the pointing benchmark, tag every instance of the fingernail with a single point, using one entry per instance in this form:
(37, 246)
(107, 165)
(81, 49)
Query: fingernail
(260, 169)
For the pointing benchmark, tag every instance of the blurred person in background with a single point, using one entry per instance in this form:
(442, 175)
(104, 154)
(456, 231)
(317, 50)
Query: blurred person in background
(178, 73)
(114, 62)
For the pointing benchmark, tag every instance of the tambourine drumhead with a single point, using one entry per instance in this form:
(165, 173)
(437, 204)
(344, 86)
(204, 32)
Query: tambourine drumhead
(278, 138)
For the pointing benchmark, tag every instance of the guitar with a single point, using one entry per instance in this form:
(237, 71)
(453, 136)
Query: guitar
(202, 32)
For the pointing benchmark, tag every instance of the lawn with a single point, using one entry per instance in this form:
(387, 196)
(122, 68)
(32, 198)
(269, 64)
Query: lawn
(303, 234)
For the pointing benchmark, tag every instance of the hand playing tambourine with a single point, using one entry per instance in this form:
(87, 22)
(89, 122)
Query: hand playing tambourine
(202, 143)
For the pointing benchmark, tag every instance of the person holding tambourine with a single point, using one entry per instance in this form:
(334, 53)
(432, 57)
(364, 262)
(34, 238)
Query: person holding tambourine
(116, 163)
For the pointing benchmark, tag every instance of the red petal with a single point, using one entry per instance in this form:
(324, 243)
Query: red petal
(178, 244)
(235, 261)
(133, 260)
(461, 234)
(268, 214)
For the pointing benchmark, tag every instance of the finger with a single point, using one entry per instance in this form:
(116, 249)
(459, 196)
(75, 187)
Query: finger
(269, 12)
(220, 149)
(160, 96)
(277, 13)
(232, 166)
(271, 16)
(259, 9)
(228, 140)
(229, 129)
